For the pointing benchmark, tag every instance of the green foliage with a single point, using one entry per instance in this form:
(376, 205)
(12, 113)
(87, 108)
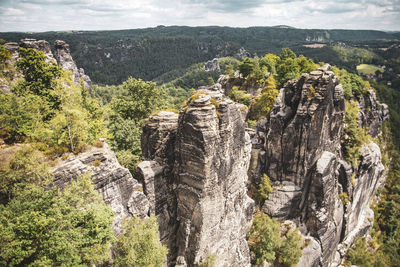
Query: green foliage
(263, 104)
(136, 101)
(290, 251)
(268, 243)
(344, 198)
(354, 137)
(291, 67)
(269, 61)
(264, 238)
(247, 66)
(361, 255)
(353, 85)
(265, 188)
(4, 56)
(41, 227)
(240, 96)
(387, 213)
(139, 100)
(139, 245)
(287, 53)
(21, 117)
(209, 261)
(25, 167)
(39, 76)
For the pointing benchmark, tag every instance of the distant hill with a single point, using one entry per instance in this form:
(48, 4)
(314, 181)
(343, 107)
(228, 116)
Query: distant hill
(109, 57)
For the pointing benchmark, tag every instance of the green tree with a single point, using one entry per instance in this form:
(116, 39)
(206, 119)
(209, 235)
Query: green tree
(263, 104)
(359, 255)
(21, 117)
(247, 65)
(139, 100)
(139, 245)
(287, 53)
(45, 227)
(269, 61)
(290, 251)
(39, 76)
(24, 168)
(4, 56)
(265, 188)
(264, 238)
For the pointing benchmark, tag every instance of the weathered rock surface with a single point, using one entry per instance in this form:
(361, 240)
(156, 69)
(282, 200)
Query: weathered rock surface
(64, 59)
(212, 65)
(115, 184)
(301, 153)
(372, 114)
(61, 57)
(40, 45)
(201, 194)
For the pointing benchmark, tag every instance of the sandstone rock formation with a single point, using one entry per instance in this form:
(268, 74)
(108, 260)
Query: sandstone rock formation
(201, 193)
(61, 56)
(212, 65)
(301, 153)
(115, 184)
(64, 60)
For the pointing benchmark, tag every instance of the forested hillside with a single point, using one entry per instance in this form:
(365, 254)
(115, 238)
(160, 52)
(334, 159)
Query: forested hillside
(110, 57)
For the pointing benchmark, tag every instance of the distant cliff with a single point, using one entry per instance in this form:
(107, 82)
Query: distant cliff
(61, 56)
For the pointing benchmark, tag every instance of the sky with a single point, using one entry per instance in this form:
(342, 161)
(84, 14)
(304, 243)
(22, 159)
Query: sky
(60, 15)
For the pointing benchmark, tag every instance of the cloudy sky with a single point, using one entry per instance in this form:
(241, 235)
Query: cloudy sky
(47, 15)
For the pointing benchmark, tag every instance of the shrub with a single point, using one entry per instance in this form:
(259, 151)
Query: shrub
(263, 104)
(139, 245)
(290, 251)
(98, 144)
(344, 198)
(265, 188)
(240, 96)
(264, 238)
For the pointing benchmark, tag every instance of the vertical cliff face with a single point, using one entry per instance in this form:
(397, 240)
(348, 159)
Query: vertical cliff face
(302, 155)
(64, 59)
(206, 181)
(213, 153)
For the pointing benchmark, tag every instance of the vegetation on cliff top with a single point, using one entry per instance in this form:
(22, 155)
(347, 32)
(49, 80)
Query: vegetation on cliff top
(45, 115)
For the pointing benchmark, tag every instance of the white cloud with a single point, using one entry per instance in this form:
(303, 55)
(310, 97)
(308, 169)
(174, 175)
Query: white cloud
(44, 15)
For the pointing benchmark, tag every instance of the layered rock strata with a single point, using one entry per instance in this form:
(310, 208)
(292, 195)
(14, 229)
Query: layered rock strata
(115, 184)
(64, 59)
(206, 180)
(301, 153)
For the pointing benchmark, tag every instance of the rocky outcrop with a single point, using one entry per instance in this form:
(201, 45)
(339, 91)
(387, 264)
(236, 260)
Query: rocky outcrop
(371, 114)
(115, 184)
(40, 45)
(64, 60)
(212, 65)
(301, 153)
(62, 56)
(200, 194)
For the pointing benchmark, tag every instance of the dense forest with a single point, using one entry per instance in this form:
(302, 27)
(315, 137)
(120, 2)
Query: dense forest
(46, 116)
(110, 57)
